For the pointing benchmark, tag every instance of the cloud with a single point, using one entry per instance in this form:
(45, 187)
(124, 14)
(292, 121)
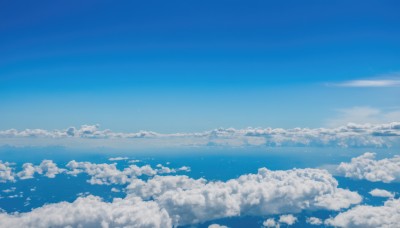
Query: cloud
(91, 211)
(47, 168)
(381, 193)
(370, 83)
(6, 172)
(367, 167)
(102, 174)
(109, 173)
(190, 201)
(166, 201)
(118, 159)
(314, 221)
(271, 223)
(363, 216)
(288, 219)
(350, 135)
(216, 226)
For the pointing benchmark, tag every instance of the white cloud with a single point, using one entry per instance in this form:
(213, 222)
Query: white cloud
(370, 83)
(115, 190)
(288, 219)
(367, 167)
(166, 201)
(6, 172)
(47, 168)
(363, 216)
(381, 193)
(314, 221)
(350, 135)
(271, 223)
(108, 173)
(268, 192)
(91, 211)
(118, 159)
(216, 226)
(99, 173)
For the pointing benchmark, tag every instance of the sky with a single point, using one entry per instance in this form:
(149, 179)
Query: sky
(185, 66)
(208, 114)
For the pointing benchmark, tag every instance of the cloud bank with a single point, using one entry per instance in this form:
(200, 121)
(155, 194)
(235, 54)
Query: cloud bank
(351, 135)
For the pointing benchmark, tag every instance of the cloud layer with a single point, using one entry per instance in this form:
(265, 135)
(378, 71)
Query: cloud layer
(351, 135)
(166, 201)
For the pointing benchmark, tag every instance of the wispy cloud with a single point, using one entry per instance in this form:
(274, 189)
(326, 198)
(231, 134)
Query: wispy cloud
(382, 80)
(369, 83)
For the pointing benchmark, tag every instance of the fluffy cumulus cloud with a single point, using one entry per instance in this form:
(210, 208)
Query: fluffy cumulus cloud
(367, 167)
(363, 216)
(381, 193)
(270, 223)
(6, 172)
(91, 211)
(102, 174)
(110, 174)
(47, 168)
(191, 201)
(314, 221)
(350, 135)
(166, 201)
(288, 219)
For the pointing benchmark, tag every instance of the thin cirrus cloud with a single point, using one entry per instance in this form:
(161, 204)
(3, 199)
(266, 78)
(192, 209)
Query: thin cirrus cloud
(350, 135)
(369, 83)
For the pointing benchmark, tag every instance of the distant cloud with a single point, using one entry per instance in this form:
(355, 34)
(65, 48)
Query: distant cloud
(369, 83)
(349, 135)
(367, 167)
(382, 80)
(118, 159)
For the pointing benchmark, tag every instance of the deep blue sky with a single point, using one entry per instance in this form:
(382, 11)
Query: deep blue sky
(192, 65)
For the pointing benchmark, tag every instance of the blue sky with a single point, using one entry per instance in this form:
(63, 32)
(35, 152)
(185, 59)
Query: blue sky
(114, 110)
(173, 66)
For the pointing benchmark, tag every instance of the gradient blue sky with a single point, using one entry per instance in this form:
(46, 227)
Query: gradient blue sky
(172, 66)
